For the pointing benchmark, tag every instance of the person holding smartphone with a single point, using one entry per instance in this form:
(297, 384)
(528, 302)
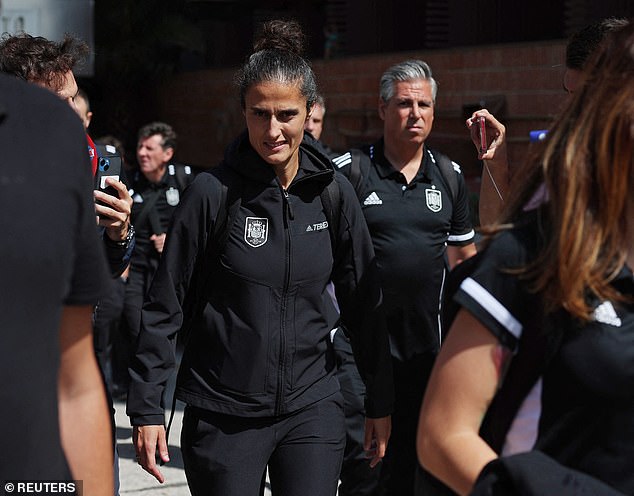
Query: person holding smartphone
(50, 64)
(496, 176)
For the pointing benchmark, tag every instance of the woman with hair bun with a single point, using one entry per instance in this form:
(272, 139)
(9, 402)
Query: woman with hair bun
(257, 369)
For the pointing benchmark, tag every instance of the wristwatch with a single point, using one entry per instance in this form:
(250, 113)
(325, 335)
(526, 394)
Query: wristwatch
(125, 242)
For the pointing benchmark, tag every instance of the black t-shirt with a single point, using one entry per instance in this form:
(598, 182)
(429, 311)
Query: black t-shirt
(168, 193)
(50, 256)
(411, 226)
(586, 421)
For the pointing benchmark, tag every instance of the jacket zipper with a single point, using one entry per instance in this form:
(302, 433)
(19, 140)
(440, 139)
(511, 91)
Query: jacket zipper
(288, 215)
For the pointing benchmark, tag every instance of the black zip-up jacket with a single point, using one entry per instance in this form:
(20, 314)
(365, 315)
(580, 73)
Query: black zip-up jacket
(262, 345)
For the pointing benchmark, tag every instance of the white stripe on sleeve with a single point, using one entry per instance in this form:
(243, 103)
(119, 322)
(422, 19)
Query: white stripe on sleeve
(493, 306)
(456, 238)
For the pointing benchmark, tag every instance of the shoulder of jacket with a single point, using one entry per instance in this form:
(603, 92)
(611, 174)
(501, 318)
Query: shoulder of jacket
(224, 174)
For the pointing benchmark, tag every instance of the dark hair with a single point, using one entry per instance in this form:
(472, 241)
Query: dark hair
(36, 59)
(164, 130)
(84, 96)
(277, 56)
(585, 41)
(587, 167)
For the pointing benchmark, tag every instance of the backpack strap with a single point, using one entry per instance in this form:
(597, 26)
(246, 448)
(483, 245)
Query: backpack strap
(194, 302)
(355, 175)
(449, 169)
(330, 197)
(226, 216)
(228, 206)
(183, 175)
(331, 200)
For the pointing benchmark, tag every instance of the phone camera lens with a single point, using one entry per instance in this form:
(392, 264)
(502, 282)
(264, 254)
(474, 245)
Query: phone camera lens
(104, 164)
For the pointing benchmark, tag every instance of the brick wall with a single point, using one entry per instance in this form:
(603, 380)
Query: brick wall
(204, 107)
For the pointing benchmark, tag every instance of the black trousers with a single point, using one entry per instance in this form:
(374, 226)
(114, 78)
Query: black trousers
(226, 455)
(107, 336)
(357, 478)
(395, 475)
(140, 275)
(401, 463)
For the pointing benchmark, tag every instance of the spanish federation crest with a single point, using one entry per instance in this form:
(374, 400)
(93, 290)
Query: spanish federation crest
(173, 197)
(433, 198)
(256, 231)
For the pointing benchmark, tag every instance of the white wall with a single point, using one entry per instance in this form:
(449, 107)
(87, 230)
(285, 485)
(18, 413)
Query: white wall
(51, 19)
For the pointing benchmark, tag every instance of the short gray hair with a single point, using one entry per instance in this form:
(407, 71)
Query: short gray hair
(406, 71)
(321, 102)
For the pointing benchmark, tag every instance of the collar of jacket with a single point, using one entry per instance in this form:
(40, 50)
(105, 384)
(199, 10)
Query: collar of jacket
(244, 160)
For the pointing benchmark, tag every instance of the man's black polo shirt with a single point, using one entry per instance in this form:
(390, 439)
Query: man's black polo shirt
(411, 225)
(168, 192)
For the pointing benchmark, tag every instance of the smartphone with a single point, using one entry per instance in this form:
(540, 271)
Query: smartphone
(108, 165)
(482, 126)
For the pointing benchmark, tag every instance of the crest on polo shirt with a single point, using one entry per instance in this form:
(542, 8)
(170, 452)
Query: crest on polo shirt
(256, 231)
(433, 199)
(173, 197)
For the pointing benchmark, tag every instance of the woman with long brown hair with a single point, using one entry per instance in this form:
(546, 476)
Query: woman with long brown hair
(560, 265)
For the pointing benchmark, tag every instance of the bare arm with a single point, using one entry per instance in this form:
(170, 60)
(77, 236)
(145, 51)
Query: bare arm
(457, 254)
(462, 385)
(83, 411)
(495, 171)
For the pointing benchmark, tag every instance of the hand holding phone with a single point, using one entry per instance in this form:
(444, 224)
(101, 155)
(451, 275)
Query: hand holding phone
(113, 202)
(482, 127)
(108, 165)
(488, 135)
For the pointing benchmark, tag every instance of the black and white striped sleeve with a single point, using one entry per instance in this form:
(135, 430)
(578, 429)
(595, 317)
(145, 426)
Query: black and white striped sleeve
(498, 298)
